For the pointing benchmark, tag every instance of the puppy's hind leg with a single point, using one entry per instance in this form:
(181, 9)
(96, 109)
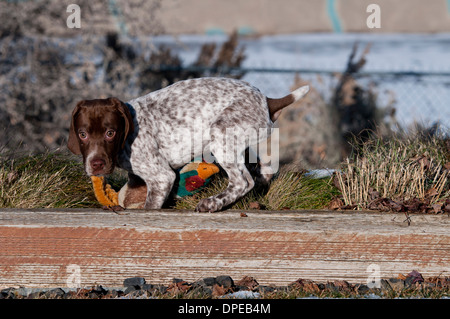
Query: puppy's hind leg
(231, 134)
(240, 182)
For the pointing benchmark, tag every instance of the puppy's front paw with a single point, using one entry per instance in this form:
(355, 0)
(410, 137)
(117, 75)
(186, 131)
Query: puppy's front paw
(210, 204)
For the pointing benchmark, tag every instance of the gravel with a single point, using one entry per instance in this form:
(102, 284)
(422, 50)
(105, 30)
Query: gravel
(412, 285)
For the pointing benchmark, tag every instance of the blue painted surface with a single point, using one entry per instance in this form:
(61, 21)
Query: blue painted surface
(215, 31)
(334, 17)
(246, 30)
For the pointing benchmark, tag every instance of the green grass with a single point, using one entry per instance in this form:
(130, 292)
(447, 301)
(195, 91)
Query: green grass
(288, 190)
(48, 180)
(401, 167)
(57, 180)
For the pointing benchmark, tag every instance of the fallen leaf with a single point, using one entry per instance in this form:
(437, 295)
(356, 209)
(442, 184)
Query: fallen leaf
(305, 284)
(431, 192)
(335, 204)
(423, 161)
(181, 286)
(412, 205)
(248, 282)
(341, 284)
(254, 205)
(376, 204)
(423, 207)
(335, 181)
(244, 214)
(12, 176)
(218, 290)
(312, 287)
(447, 208)
(373, 194)
(437, 208)
(401, 276)
(394, 205)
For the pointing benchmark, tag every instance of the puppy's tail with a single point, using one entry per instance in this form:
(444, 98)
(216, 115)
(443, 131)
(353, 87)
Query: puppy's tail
(276, 105)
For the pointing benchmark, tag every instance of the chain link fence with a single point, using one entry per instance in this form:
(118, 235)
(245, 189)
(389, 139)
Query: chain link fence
(42, 79)
(414, 97)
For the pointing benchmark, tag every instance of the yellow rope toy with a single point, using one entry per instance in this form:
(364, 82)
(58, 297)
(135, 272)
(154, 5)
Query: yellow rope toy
(103, 192)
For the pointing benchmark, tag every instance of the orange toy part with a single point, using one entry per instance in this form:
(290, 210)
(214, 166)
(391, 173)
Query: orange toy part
(103, 192)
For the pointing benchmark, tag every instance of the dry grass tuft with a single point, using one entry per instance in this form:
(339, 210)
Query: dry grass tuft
(48, 180)
(42, 181)
(401, 169)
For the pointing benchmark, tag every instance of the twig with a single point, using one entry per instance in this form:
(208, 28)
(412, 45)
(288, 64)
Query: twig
(408, 219)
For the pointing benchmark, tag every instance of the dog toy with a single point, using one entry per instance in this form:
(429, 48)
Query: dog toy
(103, 192)
(192, 177)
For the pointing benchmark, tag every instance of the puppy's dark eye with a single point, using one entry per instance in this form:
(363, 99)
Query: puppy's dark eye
(82, 135)
(110, 134)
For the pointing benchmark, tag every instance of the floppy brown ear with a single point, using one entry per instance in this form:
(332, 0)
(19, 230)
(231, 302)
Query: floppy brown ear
(72, 142)
(125, 112)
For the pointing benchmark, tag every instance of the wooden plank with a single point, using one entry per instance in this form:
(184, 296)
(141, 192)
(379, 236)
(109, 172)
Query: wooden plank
(38, 248)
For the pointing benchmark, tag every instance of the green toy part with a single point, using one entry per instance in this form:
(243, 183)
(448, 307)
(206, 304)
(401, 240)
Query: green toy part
(194, 176)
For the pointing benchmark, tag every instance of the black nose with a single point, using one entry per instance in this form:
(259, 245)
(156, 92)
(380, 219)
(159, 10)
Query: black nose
(97, 164)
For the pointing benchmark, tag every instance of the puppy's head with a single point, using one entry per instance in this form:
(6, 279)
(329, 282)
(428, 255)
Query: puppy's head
(98, 131)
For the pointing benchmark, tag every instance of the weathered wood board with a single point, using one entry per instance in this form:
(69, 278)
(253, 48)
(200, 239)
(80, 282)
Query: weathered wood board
(47, 248)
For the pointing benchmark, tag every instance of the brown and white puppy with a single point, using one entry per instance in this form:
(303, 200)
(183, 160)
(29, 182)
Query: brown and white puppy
(98, 131)
(151, 135)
